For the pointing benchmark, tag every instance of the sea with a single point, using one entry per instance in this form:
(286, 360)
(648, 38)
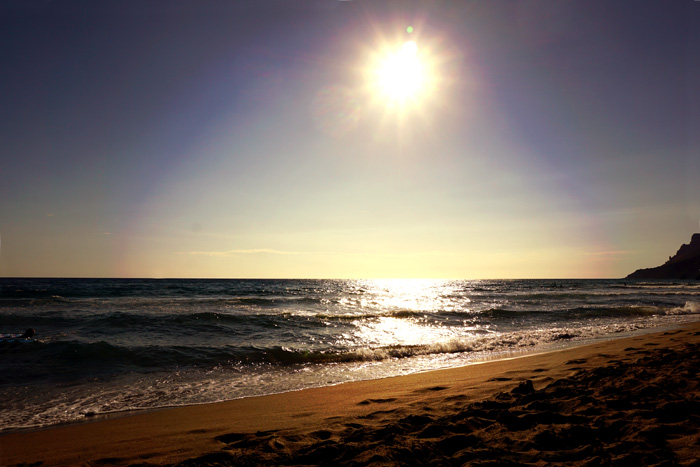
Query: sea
(105, 347)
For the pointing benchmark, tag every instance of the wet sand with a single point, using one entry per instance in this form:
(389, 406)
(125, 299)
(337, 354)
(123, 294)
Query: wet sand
(629, 401)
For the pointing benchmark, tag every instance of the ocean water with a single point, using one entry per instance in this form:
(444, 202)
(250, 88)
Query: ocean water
(105, 346)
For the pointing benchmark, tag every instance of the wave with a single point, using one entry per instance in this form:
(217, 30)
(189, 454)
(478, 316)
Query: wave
(481, 343)
(193, 323)
(617, 311)
(564, 314)
(690, 308)
(62, 361)
(74, 360)
(664, 284)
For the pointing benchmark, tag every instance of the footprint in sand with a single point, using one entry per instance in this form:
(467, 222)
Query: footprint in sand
(431, 389)
(378, 413)
(376, 401)
(458, 397)
(231, 437)
(322, 434)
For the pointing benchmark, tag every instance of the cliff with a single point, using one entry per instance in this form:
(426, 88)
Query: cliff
(685, 264)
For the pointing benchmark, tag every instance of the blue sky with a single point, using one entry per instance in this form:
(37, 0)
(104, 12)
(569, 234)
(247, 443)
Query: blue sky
(246, 139)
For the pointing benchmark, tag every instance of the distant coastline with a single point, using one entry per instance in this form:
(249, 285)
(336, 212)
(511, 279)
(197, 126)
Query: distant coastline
(684, 265)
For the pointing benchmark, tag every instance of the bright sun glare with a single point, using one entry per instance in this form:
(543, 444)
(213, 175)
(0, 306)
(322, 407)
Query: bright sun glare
(400, 73)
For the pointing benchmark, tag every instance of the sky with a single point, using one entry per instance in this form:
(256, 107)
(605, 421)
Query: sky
(263, 138)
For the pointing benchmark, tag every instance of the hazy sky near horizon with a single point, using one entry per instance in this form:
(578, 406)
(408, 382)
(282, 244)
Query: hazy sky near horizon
(220, 138)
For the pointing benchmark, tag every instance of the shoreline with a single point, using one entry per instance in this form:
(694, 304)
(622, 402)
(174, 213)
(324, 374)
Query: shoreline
(170, 435)
(514, 353)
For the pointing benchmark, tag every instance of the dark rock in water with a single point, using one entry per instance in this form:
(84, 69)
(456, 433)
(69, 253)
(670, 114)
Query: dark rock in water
(684, 265)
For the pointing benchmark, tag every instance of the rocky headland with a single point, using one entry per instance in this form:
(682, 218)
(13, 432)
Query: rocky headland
(684, 265)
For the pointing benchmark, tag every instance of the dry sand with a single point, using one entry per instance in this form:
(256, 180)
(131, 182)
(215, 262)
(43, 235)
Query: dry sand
(632, 401)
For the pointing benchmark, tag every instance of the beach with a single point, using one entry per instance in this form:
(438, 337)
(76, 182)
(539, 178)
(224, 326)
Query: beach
(349, 233)
(627, 401)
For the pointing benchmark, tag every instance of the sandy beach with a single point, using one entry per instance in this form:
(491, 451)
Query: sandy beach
(628, 401)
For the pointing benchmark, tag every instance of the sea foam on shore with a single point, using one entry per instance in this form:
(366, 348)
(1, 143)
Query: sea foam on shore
(628, 401)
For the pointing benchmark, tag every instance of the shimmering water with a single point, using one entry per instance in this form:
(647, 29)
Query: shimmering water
(111, 345)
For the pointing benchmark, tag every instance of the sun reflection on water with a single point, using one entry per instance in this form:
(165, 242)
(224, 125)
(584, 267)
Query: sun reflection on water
(405, 307)
(411, 295)
(386, 331)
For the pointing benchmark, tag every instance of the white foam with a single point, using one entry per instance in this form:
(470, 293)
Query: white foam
(690, 308)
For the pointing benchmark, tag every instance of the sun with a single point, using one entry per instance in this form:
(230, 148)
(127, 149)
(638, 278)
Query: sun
(399, 74)
(406, 85)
